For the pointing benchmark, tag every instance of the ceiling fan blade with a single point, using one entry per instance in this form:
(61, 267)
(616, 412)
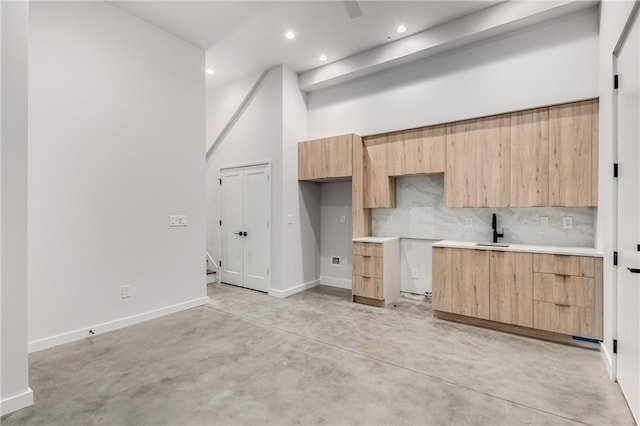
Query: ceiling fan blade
(353, 8)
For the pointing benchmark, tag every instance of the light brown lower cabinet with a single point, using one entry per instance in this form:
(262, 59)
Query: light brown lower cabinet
(559, 294)
(376, 271)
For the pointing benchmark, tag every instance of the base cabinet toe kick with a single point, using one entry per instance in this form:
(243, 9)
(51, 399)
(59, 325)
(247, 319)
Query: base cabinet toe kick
(551, 296)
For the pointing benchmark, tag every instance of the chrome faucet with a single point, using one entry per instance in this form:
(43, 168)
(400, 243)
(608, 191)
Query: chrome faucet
(494, 225)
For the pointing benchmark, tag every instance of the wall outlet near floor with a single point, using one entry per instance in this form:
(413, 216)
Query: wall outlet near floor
(126, 291)
(180, 220)
(544, 220)
(415, 273)
(343, 219)
(389, 219)
(567, 222)
(289, 219)
(468, 222)
(336, 260)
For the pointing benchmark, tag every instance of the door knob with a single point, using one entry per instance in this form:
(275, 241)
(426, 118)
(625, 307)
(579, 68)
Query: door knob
(244, 233)
(634, 270)
(238, 233)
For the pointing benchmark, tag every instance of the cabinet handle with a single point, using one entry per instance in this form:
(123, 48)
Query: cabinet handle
(562, 304)
(634, 270)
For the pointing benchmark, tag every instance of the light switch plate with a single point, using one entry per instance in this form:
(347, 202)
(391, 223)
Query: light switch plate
(126, 291)
(343, 219)
(177, 220)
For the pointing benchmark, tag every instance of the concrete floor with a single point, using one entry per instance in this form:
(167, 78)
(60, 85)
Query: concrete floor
(247, 358)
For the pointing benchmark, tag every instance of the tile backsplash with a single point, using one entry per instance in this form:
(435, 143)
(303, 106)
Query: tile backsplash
(420, 213)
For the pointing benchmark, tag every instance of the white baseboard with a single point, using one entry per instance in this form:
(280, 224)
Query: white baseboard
(71, 336)
(16, 402)
(294, 290)
(608, 360)
(335, 282)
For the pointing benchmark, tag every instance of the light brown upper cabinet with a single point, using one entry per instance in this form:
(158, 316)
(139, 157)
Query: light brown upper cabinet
(461, 171)
(494, 161)
(478, 163)
(420, 151)
(379, 187)
(530, 158)
(572, 148)
(326, 158)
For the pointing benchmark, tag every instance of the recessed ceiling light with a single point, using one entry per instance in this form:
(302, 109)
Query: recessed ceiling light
(323, 58)
(210, 71)
(289, 35)
(401, 29)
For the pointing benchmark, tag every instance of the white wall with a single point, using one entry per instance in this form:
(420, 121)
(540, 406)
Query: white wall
(116, 110)
(301, 200)
(269, 128)
(551, 63)
(335, 240)
(14, 387)
(256, 136)
(613, 17)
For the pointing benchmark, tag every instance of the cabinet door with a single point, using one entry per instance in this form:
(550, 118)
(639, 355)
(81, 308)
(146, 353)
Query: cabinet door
(379, 188)
(339, 154)
(460, 174)
(511, 286)
(420, 151)
(570, 151)
(311, 164)
(441, 279)
(493, 183)
(530, 158)
(470, 282)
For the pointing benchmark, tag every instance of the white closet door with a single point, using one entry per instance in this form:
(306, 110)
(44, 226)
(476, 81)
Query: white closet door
(231, 212)
(245, 206)
(628, 368)
(256, 217)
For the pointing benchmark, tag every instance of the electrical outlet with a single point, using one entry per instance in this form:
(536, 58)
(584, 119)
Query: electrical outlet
(343, 219)
(468, 222)
(415, 273)
(567, 222)
(544, 220)
(126, 291)
(389, 219)
(177, 220)
(290, 219)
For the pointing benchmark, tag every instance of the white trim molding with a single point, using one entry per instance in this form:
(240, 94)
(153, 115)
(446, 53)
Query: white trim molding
(16, 402)
(293, 290)
(335, 282)
(71, 336)
(608, 360)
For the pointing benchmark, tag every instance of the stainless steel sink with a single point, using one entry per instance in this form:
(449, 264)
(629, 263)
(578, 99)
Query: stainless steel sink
(492, 245)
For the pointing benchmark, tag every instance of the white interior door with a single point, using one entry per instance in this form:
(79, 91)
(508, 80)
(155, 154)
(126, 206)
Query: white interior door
(245, 206)
(231, 210)
(628, 333)
(256, 225)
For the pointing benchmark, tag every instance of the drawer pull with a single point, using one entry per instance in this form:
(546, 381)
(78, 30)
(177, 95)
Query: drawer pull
(634, 270)
(564, 305)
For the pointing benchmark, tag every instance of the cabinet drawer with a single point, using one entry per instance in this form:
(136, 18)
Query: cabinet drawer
(572, 320)
(564, 289)
(367, 266)
(580, 266)
(368, 249)
(367, 287)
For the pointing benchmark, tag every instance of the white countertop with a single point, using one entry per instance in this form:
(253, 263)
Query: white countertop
(572, 251)
(373, 239)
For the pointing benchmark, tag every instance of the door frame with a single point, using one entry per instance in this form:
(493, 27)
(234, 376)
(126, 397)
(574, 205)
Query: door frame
(269, 202)
(628, 26)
